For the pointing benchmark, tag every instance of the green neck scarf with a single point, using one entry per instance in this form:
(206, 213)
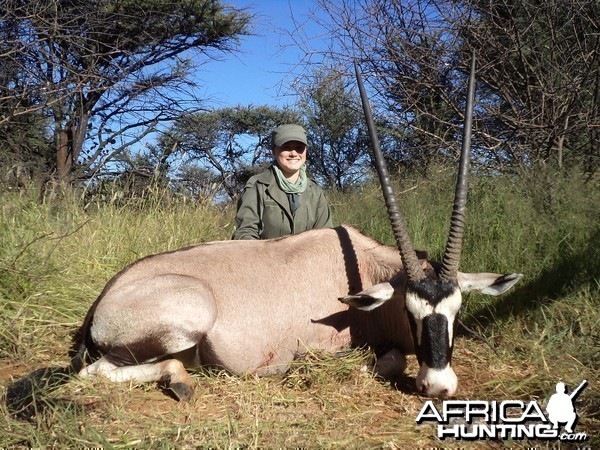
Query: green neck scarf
(287, 186)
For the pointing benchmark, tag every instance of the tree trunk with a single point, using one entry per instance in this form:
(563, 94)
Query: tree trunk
(64, 154)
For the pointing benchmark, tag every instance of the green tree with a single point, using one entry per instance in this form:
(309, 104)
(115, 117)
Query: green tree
(539, 64)
(106, 72)
(25, 140)
(338, 144)
(25, 148)
(405, 52)
(232, 142)
(538, 76)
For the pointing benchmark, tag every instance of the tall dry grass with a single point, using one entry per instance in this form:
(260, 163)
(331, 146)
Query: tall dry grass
(56, 255)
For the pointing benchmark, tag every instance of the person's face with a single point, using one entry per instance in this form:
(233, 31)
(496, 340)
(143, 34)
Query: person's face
(290, 157)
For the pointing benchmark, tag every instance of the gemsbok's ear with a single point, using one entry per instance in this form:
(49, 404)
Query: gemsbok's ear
(370, 298)
(487, 283)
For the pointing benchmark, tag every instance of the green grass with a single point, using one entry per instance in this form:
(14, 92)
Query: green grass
(57, 254)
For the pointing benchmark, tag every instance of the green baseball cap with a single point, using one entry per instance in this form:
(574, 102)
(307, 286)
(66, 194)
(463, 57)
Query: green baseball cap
(286, 133)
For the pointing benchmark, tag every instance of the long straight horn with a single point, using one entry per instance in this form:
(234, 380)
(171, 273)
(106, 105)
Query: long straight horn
(457, 223)
(410, 261)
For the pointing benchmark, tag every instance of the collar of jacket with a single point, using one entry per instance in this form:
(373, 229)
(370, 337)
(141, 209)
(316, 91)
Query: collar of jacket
(267, 177)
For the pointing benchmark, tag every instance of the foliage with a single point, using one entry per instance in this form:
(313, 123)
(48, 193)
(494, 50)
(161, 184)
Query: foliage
(537, 71)
(338, 142)
(226, 146)
(100, 70)
(405, 52)
(541, 97)
(25, 149)
(227, 143)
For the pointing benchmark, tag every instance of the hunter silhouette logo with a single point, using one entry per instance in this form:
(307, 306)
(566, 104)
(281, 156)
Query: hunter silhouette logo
(508, 419)
(560, 406)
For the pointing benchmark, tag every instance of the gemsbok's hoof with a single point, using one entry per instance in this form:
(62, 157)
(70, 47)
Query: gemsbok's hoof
(181, 391)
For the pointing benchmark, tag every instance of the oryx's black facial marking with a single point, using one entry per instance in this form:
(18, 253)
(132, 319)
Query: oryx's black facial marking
(431, 305)
(434, 291)
(435, 348)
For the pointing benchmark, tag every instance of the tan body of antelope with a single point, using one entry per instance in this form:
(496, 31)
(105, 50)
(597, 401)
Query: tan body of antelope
(253, 306)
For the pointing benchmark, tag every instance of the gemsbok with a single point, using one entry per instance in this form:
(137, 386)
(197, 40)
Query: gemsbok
(255, 306)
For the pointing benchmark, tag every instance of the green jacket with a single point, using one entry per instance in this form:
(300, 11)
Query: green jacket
(264, 210)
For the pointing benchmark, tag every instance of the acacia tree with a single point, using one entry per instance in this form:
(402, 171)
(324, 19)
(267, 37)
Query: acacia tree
(540, 65)
(232, 143)
(105, 72)
(338, 152)
(404, 50)
(538, 75)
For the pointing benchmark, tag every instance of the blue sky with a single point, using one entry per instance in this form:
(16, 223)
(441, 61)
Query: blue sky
(259, 74)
